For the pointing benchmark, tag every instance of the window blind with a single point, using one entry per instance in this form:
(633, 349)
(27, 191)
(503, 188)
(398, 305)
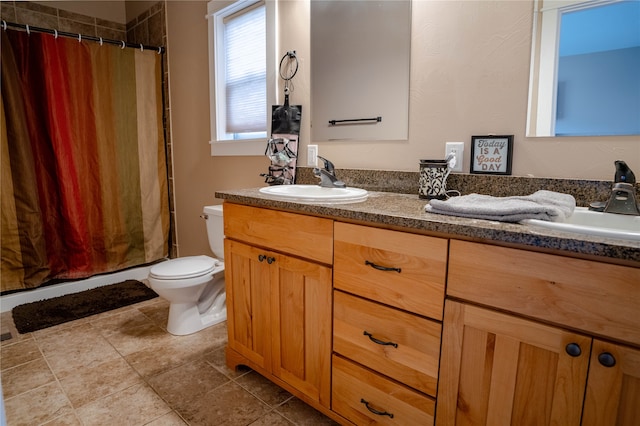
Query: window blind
(246, 71)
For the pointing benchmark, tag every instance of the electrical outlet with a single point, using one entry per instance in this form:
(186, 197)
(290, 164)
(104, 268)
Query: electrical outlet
(312, 155)
(457, 148)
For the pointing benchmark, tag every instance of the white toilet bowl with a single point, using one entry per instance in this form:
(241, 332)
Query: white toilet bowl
(194, 285)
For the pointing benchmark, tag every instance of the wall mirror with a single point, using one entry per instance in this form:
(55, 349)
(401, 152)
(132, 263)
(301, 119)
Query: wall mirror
(585, 68)
(360, 57)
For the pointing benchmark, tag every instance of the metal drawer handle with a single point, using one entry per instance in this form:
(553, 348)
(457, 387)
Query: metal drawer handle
(381, 268)
(374, 411)
(379, 342)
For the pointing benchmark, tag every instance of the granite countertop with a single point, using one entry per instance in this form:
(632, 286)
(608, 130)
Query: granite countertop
(406, 211)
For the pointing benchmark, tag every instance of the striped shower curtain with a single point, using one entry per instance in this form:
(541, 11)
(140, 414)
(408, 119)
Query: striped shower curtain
(84, 179)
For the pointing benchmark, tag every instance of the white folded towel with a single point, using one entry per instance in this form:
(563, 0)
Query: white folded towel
(544, 205)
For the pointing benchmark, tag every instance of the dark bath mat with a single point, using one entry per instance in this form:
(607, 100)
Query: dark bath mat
(47, 313)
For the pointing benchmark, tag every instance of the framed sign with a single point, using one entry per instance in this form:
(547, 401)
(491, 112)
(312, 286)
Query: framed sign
(491, 154)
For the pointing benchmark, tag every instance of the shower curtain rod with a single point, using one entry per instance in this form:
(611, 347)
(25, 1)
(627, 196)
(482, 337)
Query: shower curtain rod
(80, 37)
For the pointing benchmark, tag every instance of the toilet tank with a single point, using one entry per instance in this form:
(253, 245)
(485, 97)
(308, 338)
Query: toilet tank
(215, 229)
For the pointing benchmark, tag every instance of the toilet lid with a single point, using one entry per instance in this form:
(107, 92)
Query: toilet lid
(184, 267)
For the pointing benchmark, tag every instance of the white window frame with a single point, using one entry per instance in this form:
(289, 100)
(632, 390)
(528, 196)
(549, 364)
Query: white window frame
(216, 12)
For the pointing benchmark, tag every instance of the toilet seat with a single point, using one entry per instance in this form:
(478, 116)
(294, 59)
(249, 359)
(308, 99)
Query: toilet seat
(184, 268)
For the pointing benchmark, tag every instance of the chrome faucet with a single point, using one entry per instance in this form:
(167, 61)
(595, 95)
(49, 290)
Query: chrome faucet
(623, 195)
(327, 175)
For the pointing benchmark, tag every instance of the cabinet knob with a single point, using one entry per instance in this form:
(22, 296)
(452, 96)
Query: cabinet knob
(269, 259)
(607, 359)
(374, 411)
(573, 349)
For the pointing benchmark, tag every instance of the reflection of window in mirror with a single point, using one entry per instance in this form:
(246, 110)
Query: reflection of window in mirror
(587, 59)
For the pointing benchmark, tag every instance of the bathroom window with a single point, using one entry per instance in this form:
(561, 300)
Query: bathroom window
(241, 51)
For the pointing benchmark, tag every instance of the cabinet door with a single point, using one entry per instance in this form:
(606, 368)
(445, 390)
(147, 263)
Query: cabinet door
(247, 282)
(497, 369)
(301, 315)
(613, 387)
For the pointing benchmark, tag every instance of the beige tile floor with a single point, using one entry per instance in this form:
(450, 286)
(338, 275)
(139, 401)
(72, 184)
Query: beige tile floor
(123, 368)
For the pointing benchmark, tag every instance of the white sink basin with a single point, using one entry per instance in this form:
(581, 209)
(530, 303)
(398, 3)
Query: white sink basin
(315, 194)
(585, 221)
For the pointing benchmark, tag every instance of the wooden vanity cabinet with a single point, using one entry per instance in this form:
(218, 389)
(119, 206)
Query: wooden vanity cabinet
(351, 318)
(248, 286)
(398, 344)
(513, 361)
(278, 280)
(498, 369)
(388, 302)
(368, 398)
(613, 386)
(403, 270)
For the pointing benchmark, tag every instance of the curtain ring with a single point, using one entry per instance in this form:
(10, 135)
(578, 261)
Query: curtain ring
(159, 50)
(4, 25)
(141, 47)
(28, 30)
(79, 38)
(122, 47)
(100, 41)
(55, 34)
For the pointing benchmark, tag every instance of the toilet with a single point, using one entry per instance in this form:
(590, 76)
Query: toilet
(194, 285)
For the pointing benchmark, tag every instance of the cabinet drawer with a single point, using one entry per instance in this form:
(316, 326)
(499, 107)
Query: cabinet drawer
(355, 388)
(595, 297)
(300, 235)
(360, 328)
(414, 280)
